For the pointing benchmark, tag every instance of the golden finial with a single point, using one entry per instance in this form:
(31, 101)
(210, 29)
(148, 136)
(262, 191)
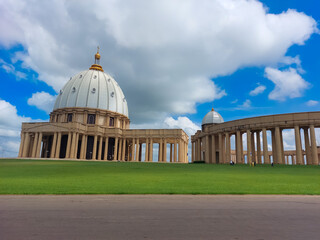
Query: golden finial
(212, 109)
(97, 56)
(96, 65)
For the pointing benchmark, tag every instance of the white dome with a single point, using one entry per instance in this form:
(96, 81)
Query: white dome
(92, 89)
(212, 117)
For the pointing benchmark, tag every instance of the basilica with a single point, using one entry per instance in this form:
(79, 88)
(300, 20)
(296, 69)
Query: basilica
(90, 120)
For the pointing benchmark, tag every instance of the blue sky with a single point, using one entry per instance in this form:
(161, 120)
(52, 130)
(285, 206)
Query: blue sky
(173, 62)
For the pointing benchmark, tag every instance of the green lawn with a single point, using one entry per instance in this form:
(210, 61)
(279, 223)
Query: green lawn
(71, 177)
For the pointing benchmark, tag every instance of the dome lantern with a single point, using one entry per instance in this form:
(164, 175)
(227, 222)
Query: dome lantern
(96, 65)
(212, 117)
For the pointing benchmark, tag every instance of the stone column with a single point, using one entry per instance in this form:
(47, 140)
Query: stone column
(253, 148)
(115, 155)
(220, 148)
(298, 145)
(165, 150)
(266, 159)
(94, 151)
(223, 148)
(278, 145)
(175, 151)
(213, 147)
(106, 149)
(171, 153)
(160, 151)
(147, 150)
(241, 148)
(22, 136)
(73, 145)
(68, 145)
(282, 148)
(133, 149)
(180, 152)
(39, 145)
(207, 149)
(120, 147)
(314, 151)
(123, 151)
(26, 145)
(53, 146)
(57, 154)
(199, 149)
(238, 147)
(138, 150)
(82, 147)
(34, 145)
(151, 150)
(192, 151)
(259, 160)
(100, 148)
(228, 149)
(274, 151)
(249, 157)
(307, 146)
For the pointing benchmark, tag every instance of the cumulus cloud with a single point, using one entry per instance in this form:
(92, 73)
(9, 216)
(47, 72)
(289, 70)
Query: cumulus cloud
(164, 54)
(288, 83)
(311, 103)
(9, 68)
(10, 126)
(258, 90)
(184, 123)
(43, 101)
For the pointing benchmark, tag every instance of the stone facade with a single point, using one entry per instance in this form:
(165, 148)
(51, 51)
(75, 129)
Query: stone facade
(212, 143)
(80, 131)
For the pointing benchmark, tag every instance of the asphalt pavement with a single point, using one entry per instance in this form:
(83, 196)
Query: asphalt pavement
(159, 217)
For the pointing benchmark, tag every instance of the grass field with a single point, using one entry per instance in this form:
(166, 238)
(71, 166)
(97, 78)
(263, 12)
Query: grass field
(71, 177)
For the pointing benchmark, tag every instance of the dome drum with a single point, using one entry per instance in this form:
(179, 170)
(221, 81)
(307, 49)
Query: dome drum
(90, 116)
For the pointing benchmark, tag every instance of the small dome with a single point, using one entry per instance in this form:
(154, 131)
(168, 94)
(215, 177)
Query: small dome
(92, 89)
(212, 117)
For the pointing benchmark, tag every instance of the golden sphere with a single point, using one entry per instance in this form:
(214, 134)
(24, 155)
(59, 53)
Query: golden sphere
(97, 56)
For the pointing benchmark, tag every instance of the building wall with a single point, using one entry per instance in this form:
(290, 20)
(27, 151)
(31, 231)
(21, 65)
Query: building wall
(257, 151)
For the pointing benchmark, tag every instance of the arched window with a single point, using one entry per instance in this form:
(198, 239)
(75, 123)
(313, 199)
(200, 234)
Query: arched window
(69, 117)
(111, 123)
(91, 118)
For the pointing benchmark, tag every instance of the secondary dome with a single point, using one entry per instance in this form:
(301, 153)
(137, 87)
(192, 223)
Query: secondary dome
(212, 117)
(93, 88)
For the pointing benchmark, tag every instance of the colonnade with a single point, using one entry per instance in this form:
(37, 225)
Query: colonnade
(215, 146)
(76, 145)
(178, 150)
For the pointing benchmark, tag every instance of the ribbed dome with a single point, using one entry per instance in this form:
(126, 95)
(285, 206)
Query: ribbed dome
(92, 89)
(212, 117)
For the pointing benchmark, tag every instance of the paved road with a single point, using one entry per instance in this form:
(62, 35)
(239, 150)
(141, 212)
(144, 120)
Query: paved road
(159, 217)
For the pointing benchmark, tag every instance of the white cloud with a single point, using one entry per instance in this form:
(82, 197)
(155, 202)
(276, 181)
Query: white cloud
(258, 90)
(9, 119)
(9, 68)
(245, 105)
(288, 83)
(163, 53)
(10, 127)
(311, 103)
(184, 123)
(43, 101)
